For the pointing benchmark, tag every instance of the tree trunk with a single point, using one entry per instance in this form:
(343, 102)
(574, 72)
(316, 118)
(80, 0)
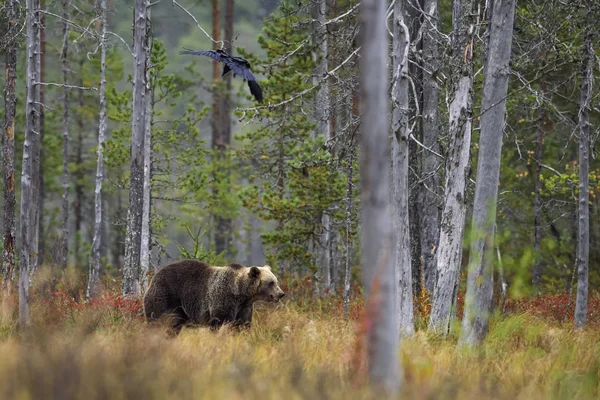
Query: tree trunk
(222, 237)
(413, 16)
(31, 117)
(537, 201)
(64, 244)
(131, 269)
(10, 105)
(36, 143)
(224, 233)
(480, 288)
(79, 174)
(400, 190)
(147, 201)
(430, 176)
(452, 222)
(323, 128)
(94, 274)
(376, 228)
(348, 243)
(583, 232)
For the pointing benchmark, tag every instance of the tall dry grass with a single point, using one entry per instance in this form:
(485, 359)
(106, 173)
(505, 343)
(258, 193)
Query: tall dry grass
(300, 349)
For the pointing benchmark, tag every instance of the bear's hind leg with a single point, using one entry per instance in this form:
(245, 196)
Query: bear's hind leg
(176, 320)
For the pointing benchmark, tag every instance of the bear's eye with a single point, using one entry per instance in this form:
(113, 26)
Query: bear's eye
(272, 284)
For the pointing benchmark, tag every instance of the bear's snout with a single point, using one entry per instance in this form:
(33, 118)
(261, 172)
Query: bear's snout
(277, 296)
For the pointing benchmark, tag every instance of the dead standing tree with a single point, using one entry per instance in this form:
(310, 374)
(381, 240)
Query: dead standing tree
(478, 300)
(452, 224)
(131, 275)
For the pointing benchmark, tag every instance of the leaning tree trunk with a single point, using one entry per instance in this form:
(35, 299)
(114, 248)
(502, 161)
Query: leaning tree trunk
(583, 232)
(400, 192)
(31, 117)
(323, 128)
(452, 222)
(64, 244)
(10, 105)
(430, 176)
(94, 274)
(377, 236)
(131, 269)
(480, 282)
(147, 201)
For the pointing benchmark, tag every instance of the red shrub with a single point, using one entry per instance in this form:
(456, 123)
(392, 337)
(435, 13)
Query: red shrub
(558, 307)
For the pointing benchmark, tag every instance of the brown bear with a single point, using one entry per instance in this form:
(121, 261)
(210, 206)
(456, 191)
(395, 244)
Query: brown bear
(191, 291)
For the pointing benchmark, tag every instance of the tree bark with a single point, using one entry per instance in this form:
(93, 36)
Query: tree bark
(224, 232)
(348, 223)
(400, 189)
(377, 236)
(79, 173)
(480, 288)
(94, 274)
(31, 122)
(36, 180)
(430, 176)
(64, 244)
(583, 231)
(131, 269)
(537, 201)
(10, 106)
(323, 128)
(147, 201)
(452, 222)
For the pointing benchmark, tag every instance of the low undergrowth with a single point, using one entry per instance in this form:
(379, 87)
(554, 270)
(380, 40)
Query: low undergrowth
(301, 348)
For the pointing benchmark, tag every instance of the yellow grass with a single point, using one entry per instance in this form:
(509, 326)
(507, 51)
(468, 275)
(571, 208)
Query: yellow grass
(288, 354)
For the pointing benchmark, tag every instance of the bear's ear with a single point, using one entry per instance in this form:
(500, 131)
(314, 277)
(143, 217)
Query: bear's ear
(254, 272)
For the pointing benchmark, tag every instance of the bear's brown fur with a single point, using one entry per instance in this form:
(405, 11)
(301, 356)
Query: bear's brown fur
(191, 291)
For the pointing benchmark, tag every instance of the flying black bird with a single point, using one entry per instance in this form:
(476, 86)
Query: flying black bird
(238, 65)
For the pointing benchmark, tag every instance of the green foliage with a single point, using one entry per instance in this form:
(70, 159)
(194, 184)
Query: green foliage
(292, 174)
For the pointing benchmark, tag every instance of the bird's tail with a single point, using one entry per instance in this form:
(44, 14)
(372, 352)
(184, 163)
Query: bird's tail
(255, 90)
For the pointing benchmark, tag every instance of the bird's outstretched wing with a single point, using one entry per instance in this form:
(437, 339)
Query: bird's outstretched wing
(220, 56)
(240, 68)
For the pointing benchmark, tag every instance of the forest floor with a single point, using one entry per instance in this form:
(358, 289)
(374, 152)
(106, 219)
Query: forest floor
(300, 348)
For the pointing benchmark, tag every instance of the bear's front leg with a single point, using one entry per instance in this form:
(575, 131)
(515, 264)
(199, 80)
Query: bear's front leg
(218, 318)
(244, 316)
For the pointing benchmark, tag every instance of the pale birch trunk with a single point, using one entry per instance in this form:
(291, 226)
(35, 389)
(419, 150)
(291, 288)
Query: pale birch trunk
(323, 128)
(480, 288)
(94, 273)
(131, 268)
(452, 222)
(583, 231)
(147, 201)
(35, 150)
(8, 149)
(430, 175)
(400, 190)
(31, 117)
(64, 245)
(377, 236)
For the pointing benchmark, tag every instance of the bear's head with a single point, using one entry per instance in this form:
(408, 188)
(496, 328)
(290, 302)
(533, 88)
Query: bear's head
(265, 282)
